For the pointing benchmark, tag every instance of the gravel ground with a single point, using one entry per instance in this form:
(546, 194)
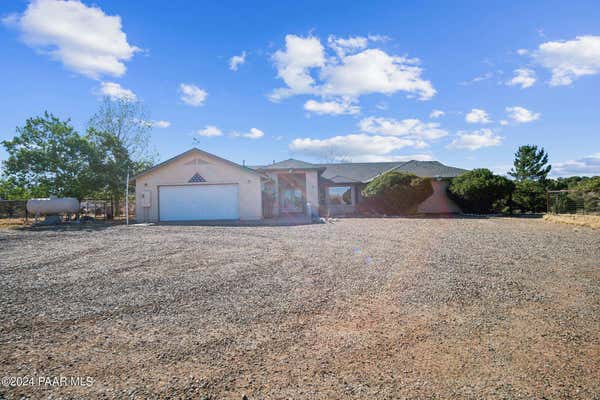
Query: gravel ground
(357, 309)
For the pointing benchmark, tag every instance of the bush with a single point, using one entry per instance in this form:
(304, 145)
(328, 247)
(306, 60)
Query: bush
(589, 185)
(530, 196)
(481, 192)
(395, 193)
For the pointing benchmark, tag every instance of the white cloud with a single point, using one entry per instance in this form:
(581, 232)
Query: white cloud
(83, 38)
(388, 158)
(475, 140)
(589, 165)
(570, 60)
(210, 131)
(524, 77)
(375, 71)
(347, 73)
(236, 61)
(480, 78)
(350, 45)
(293, 65)
(521, 115)
(503, 122)
(161, 124)
(477, 116)
(352, 147)
(192, 95)
(411, 128)
(116, 91)
(331, 107)
(522, 52)
(254, 134)
(436, 114)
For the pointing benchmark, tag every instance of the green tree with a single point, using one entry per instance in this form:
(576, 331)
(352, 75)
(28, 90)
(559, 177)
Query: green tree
(396, 193)
(127, 120)
(480, 191)
(530, 196)
(120, 130)
(530, 163)
(49, 157)
(590, 184)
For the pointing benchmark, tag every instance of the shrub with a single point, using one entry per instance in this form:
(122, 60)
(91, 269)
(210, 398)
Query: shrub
(480, 191)
(395, 193)
(530, 196)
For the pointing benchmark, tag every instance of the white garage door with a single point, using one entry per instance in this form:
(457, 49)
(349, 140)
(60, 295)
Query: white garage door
(198, 202)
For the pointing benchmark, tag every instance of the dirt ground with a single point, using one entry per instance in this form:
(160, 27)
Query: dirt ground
(357, 309)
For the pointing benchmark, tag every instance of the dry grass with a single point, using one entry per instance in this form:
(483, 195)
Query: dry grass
(6, 223)
(590, 221)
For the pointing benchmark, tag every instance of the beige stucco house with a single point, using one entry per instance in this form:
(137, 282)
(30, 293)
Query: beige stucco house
(197, 185)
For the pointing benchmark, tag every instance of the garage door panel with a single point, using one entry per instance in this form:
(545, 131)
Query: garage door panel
(198, 202)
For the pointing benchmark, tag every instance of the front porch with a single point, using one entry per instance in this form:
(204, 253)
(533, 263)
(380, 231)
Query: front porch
(290, 193)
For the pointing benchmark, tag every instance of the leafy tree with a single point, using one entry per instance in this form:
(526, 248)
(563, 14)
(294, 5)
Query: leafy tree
(10, 189)
(49, 157)
(530, 196)
(530, 163)
(589, 184)
(127, 121)
(395, 193)
(480, 191)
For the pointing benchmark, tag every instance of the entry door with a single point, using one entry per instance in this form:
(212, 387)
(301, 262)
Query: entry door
(198, 202)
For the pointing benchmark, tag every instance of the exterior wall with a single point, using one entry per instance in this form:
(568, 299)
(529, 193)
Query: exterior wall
(438, 202)
(312, 191)
(213, 170)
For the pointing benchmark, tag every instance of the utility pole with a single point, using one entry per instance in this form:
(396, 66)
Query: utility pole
(127, 198)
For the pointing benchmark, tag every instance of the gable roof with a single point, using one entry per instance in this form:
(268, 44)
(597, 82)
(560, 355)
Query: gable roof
(365, 172)
(355, 172)
(289, 164)
(194, 150)
(430, 169)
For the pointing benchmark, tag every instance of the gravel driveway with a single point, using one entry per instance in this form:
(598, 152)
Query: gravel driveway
(357, 309)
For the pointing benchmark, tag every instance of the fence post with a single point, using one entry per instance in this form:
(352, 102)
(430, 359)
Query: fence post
(547, 201)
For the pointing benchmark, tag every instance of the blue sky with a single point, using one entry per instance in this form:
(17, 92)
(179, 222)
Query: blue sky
(319, 80)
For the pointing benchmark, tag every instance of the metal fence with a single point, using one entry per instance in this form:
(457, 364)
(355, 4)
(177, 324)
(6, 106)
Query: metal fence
(573, 202)
(14, 211)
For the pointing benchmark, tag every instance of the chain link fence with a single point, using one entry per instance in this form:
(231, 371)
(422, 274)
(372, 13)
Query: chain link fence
(573, 202)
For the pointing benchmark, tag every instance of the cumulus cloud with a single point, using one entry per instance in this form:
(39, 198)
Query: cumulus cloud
(161, 124)
(477, 116)
(83, 38)
(521, 115)
(210, 131)
(475, 140)
(589, 166)
(192, 95)
(570, 60)
(294, 63)
(116, 91)
(436, 114)
(254, 134)
(352, 147)
(343, 46)
(236, 61)
(411, 128)
(352, 71)
(524, 77)
(331, 107)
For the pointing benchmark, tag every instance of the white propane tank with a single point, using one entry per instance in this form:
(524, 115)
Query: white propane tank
(52, 206)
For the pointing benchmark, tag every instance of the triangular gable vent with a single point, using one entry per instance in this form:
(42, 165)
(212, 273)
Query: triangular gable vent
(196, 178)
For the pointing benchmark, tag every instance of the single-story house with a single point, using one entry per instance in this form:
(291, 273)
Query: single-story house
(197, 185)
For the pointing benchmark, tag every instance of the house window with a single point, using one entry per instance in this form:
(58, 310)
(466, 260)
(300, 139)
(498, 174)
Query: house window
(339, 195)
